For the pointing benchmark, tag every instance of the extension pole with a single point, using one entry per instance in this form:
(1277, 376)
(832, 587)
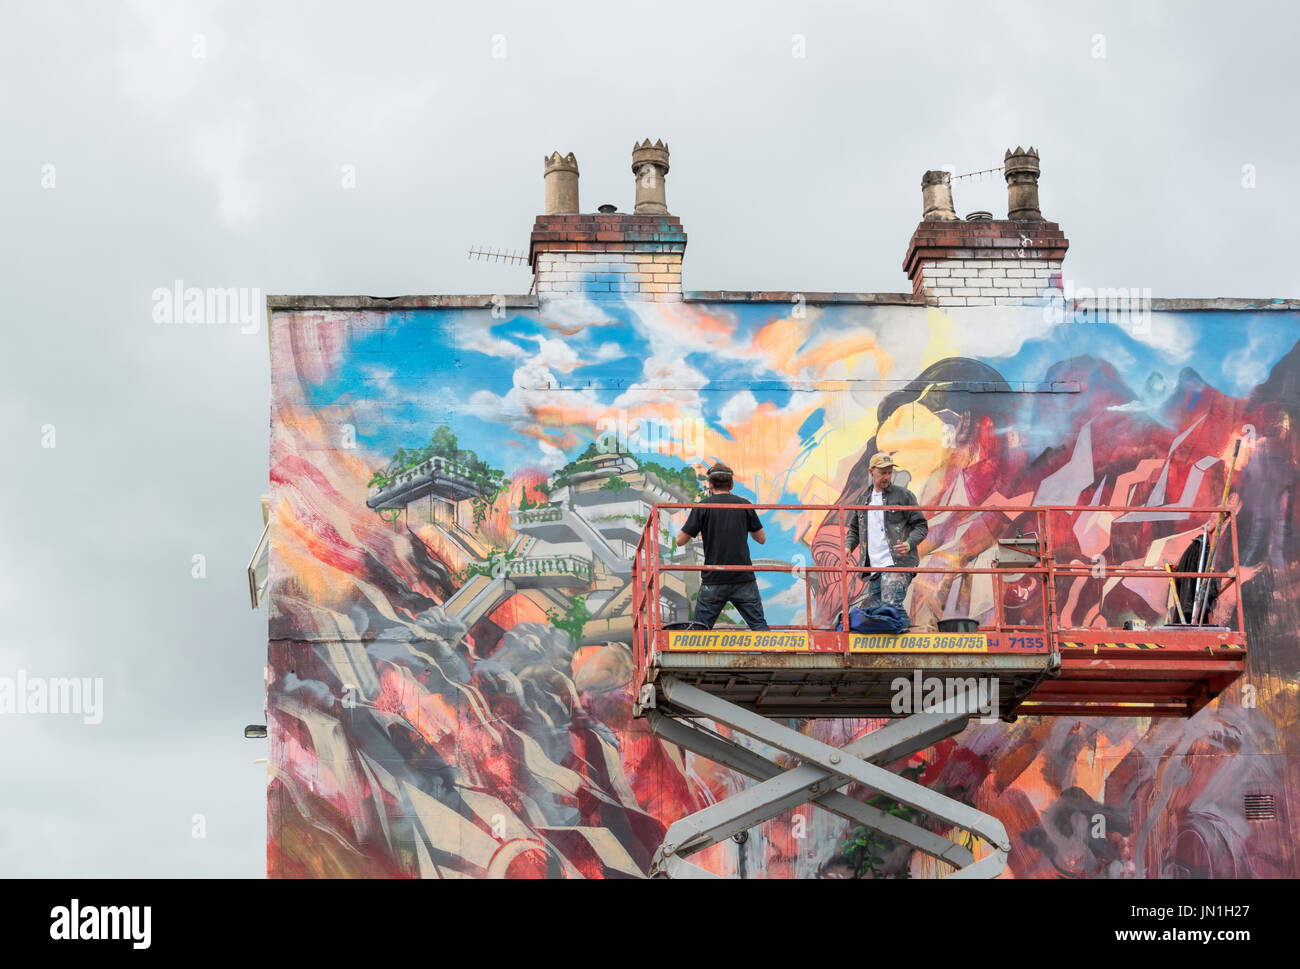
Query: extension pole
(1198, 615)
(1173, 587)
(1200, 567)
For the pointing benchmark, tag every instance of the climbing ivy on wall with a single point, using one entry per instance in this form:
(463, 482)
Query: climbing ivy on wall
(572, 619)
(864, 849)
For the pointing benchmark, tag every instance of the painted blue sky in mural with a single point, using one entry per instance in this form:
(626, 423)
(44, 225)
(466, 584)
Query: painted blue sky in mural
(1232, 352)
(503, 359)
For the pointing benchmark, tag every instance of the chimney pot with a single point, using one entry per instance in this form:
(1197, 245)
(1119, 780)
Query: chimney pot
(650, 166)
(1021, 169)
(561, 176)
(936, 197)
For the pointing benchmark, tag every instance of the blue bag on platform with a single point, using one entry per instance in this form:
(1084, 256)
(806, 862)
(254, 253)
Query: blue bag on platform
(875, 619)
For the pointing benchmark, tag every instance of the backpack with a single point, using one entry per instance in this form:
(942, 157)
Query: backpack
(875, 619)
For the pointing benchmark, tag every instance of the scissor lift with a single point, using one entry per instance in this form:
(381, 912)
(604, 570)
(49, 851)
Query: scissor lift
(749, 681)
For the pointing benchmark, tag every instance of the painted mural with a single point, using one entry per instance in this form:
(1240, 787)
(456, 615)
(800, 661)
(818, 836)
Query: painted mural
(456, 495)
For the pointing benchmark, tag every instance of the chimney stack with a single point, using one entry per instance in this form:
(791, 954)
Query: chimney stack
(608, 255)
(1021, 170)
(984, 261)
(561, 176)
(650, 166)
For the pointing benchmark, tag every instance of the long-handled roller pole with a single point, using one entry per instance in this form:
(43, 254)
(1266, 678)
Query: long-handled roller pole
(1198, 613)
(1173, 586)
(1200, 567)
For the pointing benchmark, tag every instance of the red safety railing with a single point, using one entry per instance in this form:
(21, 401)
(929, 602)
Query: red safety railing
(1046, 635)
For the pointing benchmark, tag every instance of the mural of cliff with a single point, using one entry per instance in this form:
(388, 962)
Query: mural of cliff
(456, 493)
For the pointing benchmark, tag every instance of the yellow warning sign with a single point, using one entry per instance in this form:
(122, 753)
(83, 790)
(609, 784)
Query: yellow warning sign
(919, 643)
(737, 640)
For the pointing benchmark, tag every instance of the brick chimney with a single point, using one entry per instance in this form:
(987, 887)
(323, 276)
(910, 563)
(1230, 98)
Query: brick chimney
(983, 261)
(608, 255)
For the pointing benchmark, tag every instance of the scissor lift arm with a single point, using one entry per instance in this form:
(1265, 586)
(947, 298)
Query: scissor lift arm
(825, 769)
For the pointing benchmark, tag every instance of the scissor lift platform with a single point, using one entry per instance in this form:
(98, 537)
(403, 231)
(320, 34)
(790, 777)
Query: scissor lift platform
(1168, 671)
(929, 684)
(843, 684)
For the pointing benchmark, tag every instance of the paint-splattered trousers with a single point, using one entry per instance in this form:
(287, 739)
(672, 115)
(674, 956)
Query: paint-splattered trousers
(886, 588)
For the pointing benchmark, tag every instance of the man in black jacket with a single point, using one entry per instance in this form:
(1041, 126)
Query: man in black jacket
(888, 538)
(727, 531)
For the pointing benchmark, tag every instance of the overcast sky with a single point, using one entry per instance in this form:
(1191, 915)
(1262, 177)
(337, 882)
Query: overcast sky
(127, 162)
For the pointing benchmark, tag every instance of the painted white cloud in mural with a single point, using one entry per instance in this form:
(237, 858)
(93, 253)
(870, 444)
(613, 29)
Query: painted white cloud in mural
(679, 329)
(1249, 365)
(555, 355)
(1167, 333)
(519, 407)
(383, 394)
(1121, 359)
(533, 390)
(552, 457)
(997, 331)
(739, 409)
(794, 596)
(665, 380)
(562, 354)
(381, 379)
(575, 312)
(475, 335)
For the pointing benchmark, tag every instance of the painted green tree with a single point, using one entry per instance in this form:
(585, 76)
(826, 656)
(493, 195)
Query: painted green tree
(490, 483)
(686, 480)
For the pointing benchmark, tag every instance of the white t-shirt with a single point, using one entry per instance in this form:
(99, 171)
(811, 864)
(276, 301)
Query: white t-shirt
(877, 542)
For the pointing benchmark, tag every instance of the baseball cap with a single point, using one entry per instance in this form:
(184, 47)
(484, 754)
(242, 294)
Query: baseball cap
(882, 460)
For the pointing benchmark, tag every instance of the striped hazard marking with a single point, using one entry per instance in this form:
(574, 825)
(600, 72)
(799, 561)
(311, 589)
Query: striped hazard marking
(1096, 646)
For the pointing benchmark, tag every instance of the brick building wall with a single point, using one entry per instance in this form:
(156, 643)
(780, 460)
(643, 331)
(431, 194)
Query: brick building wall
(430, 718)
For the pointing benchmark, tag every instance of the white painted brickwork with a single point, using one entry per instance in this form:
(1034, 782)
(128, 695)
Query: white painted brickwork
(646, 276)
(986, 282)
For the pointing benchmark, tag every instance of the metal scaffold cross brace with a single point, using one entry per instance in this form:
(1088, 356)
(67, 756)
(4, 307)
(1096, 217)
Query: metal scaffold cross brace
(825, 769)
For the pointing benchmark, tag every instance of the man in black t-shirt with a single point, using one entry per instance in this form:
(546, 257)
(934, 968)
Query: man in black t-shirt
(726, 542)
